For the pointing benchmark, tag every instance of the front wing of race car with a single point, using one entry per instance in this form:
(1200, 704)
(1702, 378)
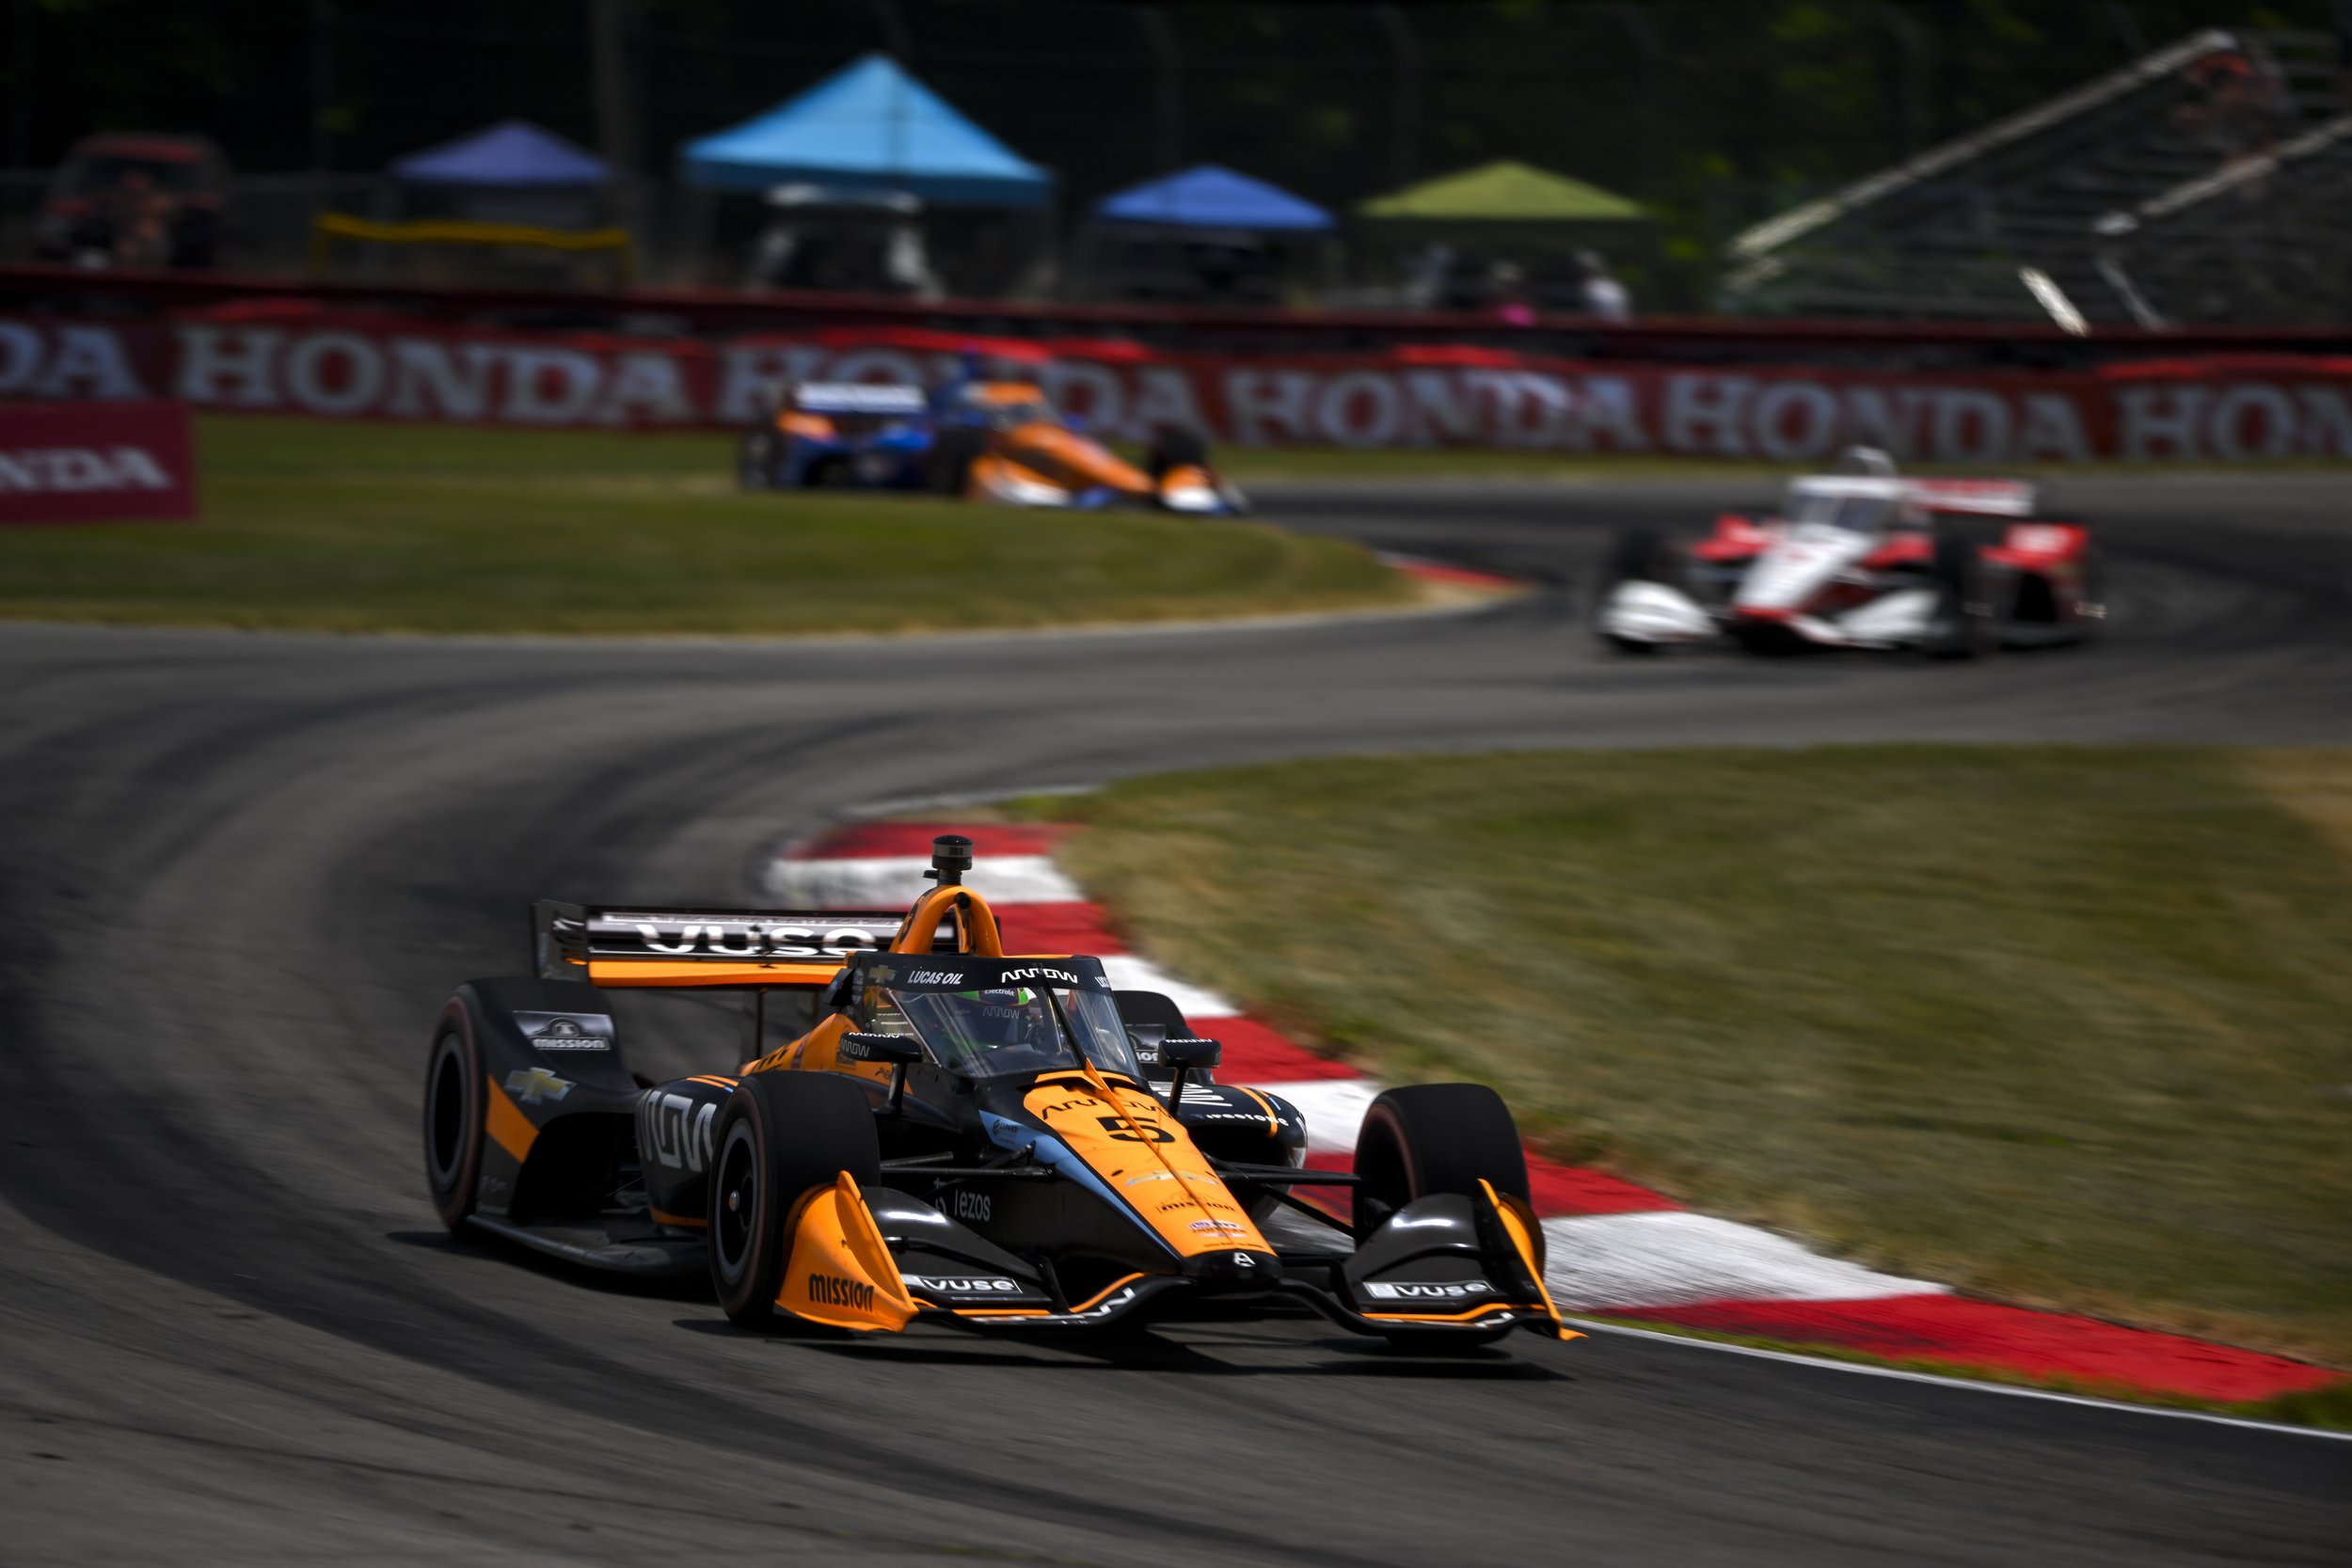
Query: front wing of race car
(1187, 488)
(1659, 614)
(1444, 1267)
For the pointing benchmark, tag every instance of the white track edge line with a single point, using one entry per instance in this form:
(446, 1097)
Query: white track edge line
(1972, 1384)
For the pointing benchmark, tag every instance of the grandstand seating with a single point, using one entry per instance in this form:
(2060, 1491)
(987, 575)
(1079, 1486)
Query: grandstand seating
(2204, 182)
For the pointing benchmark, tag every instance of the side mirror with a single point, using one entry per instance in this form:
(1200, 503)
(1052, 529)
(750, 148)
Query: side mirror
(1181, 1053)
(899, 1049)
(1185, 1053)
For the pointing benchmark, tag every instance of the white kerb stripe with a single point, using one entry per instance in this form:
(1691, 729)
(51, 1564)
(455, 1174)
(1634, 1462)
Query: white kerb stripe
(1198, 1004)
(1334, 1107)
(894, 881)
(1596, 1262)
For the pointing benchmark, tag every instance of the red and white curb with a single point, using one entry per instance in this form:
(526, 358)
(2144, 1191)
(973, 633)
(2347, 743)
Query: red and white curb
(1614, 1247)
(1442, 574)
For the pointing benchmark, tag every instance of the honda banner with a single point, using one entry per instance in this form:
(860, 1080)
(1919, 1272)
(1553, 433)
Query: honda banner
(350, 365)
(92, 462)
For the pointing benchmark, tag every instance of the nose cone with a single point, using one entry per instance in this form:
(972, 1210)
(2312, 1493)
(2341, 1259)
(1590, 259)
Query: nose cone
(1787, 577)
(1240, 1269)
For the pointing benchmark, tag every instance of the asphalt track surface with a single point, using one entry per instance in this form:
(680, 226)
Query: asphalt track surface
(238, 873)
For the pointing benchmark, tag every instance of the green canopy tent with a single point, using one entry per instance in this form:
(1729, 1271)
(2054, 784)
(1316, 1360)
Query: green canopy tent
(1443, 241)
(1507, 192)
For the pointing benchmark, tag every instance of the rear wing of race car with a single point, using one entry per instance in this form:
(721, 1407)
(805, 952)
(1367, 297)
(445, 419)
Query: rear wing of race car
(1989, 498)
(850, 397)
(640, 944)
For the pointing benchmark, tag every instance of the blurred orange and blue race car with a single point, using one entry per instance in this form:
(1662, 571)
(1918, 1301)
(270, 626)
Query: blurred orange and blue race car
(976, 438)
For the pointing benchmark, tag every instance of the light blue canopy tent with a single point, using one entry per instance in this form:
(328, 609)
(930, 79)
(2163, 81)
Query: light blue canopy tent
(868, 129)
(1209, 196)
(514, 153)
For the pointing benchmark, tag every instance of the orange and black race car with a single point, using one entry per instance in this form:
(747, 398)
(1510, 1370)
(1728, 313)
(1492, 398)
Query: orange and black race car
(978, 439)
(1001, 1141)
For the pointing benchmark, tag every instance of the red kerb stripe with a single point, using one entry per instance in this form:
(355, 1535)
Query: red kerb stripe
(1985, 1334)
(1073, 928)
(872, 840)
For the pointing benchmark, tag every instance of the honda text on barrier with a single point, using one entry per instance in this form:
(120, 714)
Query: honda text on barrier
(1866, 559)
(999, 1142)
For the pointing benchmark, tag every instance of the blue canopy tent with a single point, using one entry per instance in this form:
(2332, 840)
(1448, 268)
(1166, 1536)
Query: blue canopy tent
(1208, 196)
(512, 203)
(1207, 235)
(512, 155)
(868, 128)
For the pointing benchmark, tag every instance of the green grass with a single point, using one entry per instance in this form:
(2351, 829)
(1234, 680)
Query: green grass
(415, 528)
(2064, 1026)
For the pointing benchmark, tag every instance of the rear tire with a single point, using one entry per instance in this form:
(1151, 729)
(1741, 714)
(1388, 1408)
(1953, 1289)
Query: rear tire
(1429, 1138)
(1177, 447)
(455, 1084)
(780, 1135)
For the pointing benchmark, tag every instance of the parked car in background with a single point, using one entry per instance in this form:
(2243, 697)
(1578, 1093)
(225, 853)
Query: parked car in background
(135, 200)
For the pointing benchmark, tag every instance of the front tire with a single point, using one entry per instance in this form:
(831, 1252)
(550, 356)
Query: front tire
(948, 467)
(455, 1084)
(1429, 1138)
(1639, 555)
(1177, 447)
(781, 1136)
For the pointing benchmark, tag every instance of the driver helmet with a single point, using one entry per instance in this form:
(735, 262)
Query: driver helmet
(1008, 1015)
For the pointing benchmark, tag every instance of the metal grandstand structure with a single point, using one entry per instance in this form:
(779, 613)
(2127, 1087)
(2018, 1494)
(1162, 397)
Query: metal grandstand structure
(2203, 183)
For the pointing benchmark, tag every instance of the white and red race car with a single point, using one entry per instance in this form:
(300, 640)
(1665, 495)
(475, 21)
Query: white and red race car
(1864, 559)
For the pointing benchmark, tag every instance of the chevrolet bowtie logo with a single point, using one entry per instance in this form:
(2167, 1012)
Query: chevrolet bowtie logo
(532, 1084)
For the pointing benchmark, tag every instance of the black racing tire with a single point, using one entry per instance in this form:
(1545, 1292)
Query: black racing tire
(1637, 555)
(1429, 1138)
(455, 1087)
(948, 467)
(1964, 623)
(1177, 447)
(780, 1135)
